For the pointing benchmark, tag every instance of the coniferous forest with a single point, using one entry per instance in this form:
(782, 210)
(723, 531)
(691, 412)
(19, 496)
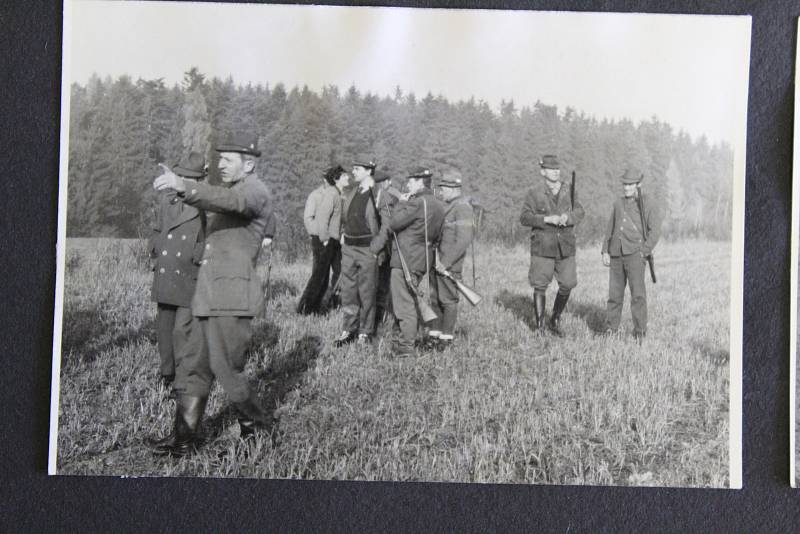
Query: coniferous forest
(120, 129)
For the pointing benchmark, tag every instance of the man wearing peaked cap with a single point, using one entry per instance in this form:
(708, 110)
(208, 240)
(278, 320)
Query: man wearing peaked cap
(416, 225)
(386, 197)
(457, 232)
(176, 248)
(362, 252)
(625, 251)
(228, 293)
(552, 214)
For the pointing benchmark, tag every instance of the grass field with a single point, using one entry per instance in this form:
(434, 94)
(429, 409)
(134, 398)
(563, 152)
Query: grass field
(504, 405)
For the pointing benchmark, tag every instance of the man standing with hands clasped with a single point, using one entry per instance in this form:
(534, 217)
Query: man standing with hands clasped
(625, 251)
(552, 211)
(228, 293)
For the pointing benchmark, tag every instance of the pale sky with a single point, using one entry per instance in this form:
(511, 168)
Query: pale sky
(690, 71)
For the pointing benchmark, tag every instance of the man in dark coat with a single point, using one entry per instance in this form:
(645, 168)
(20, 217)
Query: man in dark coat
(362, 252)
(453, 244)
(176, 247)
(552, 216)
(228, 293)
(386, 197)
(625, 251)
(417, 225)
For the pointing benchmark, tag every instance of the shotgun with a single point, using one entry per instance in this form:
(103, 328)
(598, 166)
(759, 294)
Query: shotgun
(649, 257)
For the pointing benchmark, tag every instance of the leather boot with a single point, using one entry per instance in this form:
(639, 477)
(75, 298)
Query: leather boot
(539, 302)
(251, 416)
(185, 437)
(558, 307)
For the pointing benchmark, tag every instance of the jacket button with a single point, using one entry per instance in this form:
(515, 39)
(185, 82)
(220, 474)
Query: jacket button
(204, 262)
(169, 236)
(161, 270)
(208, 246)
(194, 191)
(177, 271)
(178, 254)
(163, 252)
(183, 237)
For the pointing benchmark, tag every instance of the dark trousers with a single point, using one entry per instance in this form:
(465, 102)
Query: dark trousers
(404, 329)
(627, 269)
(444, 301)
(359, 278)
(217, 348)
(317, 286)
(383, 293)
(543, 269)
(173, 324)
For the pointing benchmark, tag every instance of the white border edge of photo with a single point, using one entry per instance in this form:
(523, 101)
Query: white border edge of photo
(63, 166)
(795, 239)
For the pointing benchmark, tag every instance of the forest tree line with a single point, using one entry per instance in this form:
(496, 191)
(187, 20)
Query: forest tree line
(121, 129)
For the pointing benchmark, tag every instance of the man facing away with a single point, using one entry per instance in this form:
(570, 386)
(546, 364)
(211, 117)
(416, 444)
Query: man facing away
(322, 217)
(176, 247)
(552, 217)
(362, 251)
(625, 251)
(417, 226)
(453, 244)
(228, 293)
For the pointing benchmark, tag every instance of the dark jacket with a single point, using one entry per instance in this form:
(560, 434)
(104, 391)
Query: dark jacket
(548, 240)
(176, 245)
(408, 223)
(456, 234)
(624, 229)
(236, 222)
(373, 218)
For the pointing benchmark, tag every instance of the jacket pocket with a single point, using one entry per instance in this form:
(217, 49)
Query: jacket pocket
(229, 286)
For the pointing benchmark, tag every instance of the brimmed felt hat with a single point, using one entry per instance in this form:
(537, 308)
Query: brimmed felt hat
(381, 176)
(242, 143)
(451, 178)
(192, 166)
(549, 161)
(420, 172)
(364, 161)
(631, 177)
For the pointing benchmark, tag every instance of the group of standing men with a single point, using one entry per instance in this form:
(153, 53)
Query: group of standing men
(392, 255)
(393, 249)
(552, 211)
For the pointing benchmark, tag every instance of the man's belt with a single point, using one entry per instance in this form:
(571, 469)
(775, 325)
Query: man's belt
(357, 240)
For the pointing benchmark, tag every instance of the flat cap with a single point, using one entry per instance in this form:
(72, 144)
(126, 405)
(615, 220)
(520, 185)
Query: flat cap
(420, 172)
(192, 166)
(364, 161)
(381, 176)
(242, 143)
(631, 177)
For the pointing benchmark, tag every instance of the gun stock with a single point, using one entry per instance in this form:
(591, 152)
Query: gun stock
(651, 264)
(470, 294)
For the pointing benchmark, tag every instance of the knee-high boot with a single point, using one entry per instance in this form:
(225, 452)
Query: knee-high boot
(185, 436)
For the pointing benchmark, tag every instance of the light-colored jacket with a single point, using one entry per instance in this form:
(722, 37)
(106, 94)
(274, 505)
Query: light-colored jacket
(322, 215)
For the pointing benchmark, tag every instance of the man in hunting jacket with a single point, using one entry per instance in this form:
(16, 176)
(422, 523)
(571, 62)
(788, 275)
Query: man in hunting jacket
(552, 217)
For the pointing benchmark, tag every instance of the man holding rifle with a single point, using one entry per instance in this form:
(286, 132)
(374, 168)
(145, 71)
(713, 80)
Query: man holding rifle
(631, 234)
(416, 225)
(552, 211)
(453, 245)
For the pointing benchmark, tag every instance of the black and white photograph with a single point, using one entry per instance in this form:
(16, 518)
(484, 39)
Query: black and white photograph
(399, 244)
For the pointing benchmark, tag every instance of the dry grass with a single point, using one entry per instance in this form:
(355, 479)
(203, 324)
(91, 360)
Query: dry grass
(505, 405)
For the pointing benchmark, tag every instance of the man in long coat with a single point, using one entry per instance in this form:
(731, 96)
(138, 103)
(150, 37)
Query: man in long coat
(552, 212)
(228, 293)
(176, 248)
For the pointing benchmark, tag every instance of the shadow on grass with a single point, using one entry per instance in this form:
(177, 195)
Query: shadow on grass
(520, 305)
(274, 383)
(279, 287)
(593, 315)
(87, 333)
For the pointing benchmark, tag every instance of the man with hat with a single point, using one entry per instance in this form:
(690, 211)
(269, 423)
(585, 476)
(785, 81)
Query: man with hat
(552, 212)
(176, 247)
(362, 252)
(625, 251)
(453, 244)
(228, 293)
(386, 197)
(417, 227)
